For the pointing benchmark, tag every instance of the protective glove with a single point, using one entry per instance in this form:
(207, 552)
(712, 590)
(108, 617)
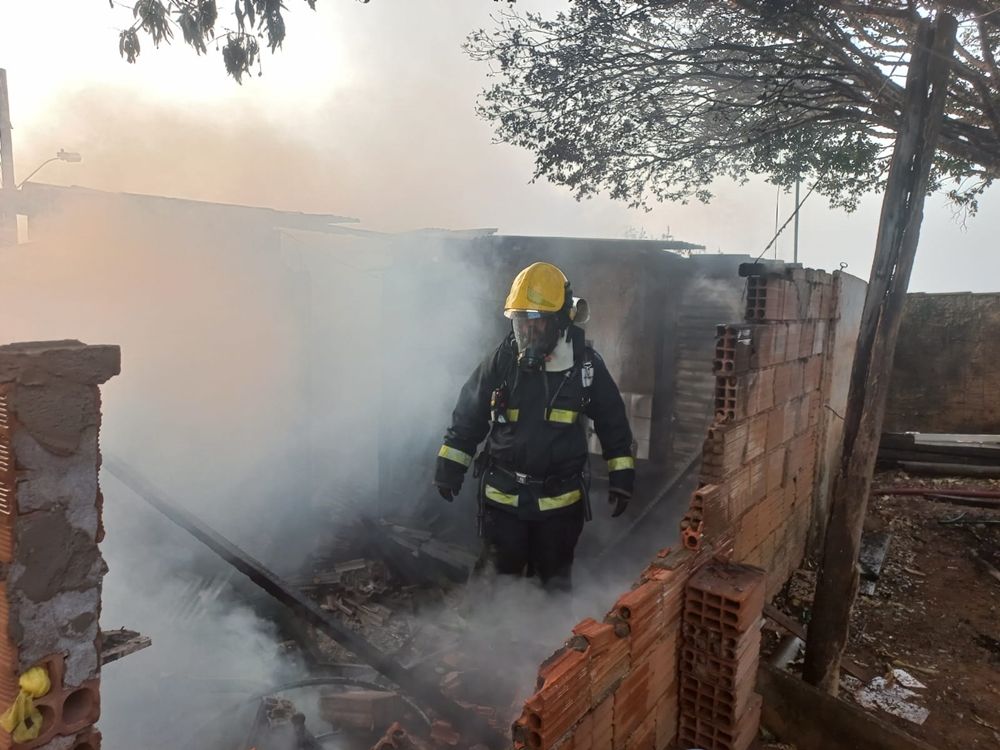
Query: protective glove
(448, 477)
(446, 492)
(618, 501)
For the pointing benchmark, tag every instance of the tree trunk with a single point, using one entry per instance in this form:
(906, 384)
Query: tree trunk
(899, 230)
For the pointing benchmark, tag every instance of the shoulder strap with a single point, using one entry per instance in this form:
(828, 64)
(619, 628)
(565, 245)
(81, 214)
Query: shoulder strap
(506, 361)
(583, 356)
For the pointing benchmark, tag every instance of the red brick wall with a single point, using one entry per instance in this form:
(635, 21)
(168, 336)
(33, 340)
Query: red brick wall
(759, 461)
(675, 658)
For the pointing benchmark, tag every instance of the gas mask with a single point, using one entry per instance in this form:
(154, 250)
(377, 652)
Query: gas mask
(536, 336)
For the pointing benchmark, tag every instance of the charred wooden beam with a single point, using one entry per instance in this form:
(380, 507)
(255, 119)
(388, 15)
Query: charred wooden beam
(117, 644)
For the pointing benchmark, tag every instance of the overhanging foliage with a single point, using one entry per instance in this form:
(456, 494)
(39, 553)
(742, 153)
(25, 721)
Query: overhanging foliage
(653, 100)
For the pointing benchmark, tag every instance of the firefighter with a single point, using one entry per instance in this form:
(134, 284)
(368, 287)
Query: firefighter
(530, 400)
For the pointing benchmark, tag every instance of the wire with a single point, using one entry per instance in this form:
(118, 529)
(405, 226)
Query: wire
(981, 16)
(828, 169)
(788, 220)
(777, 210)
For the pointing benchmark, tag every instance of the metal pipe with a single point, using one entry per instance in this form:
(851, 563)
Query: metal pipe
(786, 651)
(795, 251)
(954, 492)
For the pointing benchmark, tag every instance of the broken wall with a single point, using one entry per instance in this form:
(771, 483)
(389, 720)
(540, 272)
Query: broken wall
(759, 463)
(50, 525)
(944, 375)
(675, 658)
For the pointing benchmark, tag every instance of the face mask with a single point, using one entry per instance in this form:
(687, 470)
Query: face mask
(536, 337)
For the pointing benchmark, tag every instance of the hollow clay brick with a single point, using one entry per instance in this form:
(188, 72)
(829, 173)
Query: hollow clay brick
(819, 341)
(806, 339)
(581, 737)
(774, 302)
(792, 341)
(816, 301)
(663, 660)
(756, 437)
(760, 390)
(562, 698)
(608, 656)
(780, 337)
(665, 713)
(731, 595)
(758, 480)
(802, 416)
(726, 674)
(721, 706)
(775, 468)
(738, 498)
(723, 450)
(791, 415)
(828, 304)
(696, 732)
(782, 376)
(796, 379)
(813, 375)
(644, 735)
(631, 699)
(776, 428)
(642, 609)
(603, 723)
(762, 347)
(725, 646)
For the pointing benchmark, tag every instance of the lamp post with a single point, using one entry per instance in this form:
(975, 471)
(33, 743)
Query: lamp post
(8, 225)
(61, 155)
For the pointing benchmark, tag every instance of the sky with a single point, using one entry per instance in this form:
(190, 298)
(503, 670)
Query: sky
(368, 112)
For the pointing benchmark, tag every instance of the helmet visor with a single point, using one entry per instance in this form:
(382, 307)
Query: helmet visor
(536, 335)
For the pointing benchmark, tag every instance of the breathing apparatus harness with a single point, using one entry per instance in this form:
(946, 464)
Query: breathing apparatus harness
(583, 367)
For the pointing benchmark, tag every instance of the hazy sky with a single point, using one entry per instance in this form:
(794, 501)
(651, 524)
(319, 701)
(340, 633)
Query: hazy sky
(368, 112)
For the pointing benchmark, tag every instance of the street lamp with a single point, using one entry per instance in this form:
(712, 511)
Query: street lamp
(72, 157)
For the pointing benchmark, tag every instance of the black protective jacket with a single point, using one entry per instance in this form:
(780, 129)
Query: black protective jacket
(535, 427)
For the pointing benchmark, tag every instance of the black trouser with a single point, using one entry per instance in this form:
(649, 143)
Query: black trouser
(542, 547)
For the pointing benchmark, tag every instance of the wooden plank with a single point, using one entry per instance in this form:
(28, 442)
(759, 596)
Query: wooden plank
(810, 719)
(117, 644)
(929, 454)
(907, 444)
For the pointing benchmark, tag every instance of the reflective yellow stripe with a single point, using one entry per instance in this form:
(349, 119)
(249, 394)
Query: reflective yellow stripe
(497, 496)
(559, 501)
(453, 454)
(513, 414)
(563, 415)
(617, 464)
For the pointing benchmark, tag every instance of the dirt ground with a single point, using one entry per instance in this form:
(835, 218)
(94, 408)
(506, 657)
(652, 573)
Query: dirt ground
(935, 612)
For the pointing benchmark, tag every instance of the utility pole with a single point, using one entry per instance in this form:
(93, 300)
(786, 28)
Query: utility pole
(8, 219)
(795, 247)
(899, 230)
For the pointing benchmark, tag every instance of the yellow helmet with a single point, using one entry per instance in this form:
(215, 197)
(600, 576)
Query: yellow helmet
(540, 289)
